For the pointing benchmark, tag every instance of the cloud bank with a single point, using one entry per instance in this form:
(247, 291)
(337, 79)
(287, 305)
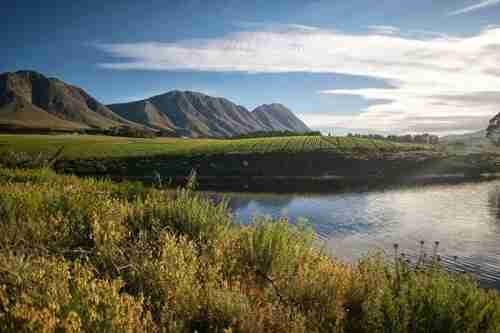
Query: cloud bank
(480, 5)
(384, 29)
(439, 82)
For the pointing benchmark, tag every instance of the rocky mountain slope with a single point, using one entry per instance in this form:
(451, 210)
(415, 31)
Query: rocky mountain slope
(30, 100)
(198, 115)
(493, 131)
(280, 118)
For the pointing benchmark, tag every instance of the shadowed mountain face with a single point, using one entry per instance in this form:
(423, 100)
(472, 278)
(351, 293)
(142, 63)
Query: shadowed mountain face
(30, 100)
(493, 131)
(197, 115)
(279, 118)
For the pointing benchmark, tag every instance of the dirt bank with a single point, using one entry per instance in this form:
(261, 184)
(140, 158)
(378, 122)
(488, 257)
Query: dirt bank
(280, 171)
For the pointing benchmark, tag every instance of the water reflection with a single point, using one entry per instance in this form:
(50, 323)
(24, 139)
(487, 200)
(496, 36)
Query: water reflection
(465, 219)
(494, 202)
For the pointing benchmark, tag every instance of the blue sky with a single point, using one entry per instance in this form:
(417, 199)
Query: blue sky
(359, 65)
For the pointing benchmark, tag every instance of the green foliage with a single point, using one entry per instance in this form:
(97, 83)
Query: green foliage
(270, 134)
(48, 294)
(400, 299)
(88, 147)
(270, 248)
(87, 255)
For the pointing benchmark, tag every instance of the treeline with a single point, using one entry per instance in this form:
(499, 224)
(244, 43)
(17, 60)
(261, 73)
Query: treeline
(124, 131)
(272, 134)
(407, 138)
(8, 129)
(129, 131)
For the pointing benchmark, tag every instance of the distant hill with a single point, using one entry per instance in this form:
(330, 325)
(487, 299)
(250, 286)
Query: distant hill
(493, 131)
(30, 100)
(476, 142)
(279, 118)
(198, 115)
(477, 137)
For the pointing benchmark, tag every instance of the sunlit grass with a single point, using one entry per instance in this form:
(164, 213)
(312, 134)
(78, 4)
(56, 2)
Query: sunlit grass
(98, 147)
(96, 256)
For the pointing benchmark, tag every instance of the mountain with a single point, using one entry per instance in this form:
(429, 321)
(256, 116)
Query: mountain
(493, 131)
(30, 100)
(479, 137)
(469, 143)
(279, 118)
(194, 114)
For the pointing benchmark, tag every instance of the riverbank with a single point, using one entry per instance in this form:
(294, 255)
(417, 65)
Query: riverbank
(462, 216)
(283, 164)
(82, 254)
(317, 171)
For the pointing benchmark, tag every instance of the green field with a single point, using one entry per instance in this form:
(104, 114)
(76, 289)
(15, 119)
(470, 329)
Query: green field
(90, 147)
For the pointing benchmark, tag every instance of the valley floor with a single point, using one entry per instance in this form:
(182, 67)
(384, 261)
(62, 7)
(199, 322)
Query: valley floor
(279, 164)
(78, 147)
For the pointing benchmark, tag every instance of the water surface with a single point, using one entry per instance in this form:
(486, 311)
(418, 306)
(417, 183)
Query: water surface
(464, 218)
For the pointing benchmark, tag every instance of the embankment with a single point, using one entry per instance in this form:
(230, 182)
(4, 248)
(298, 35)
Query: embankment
(279, 171)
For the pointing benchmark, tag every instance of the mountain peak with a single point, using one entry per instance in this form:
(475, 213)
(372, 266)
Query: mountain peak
(197, 114)
(279, 118)
(27, 72)
(272, 105)
(30, 99)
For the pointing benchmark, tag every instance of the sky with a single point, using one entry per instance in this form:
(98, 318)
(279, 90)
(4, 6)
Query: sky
(387, 66)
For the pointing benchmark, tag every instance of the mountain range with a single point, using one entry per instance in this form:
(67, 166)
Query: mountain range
(29, 99)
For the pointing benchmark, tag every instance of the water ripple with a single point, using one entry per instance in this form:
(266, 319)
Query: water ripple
(464, 218)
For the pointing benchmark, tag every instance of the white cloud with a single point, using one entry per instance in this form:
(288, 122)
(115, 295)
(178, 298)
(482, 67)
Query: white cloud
(426, 34)
(480, 5)
(434, 77)
(383, 29)
(273, 26)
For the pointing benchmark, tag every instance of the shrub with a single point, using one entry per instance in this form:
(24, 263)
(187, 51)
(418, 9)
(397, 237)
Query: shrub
(385, 298)
(96, 256)
(40, 294)
(185, 214)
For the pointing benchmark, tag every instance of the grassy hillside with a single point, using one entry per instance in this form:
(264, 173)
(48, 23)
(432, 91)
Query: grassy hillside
(469, 143)
(93, 256)
(30, 100)
(88, 146)
(31, 116)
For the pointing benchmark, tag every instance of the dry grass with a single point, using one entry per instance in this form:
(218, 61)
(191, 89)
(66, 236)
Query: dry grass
(94, 256)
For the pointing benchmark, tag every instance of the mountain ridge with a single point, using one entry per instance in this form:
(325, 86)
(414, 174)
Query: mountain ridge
(29, 99)
(199, 115)
(279, 117)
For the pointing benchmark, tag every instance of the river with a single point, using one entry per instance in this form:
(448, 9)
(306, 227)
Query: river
(464, 218)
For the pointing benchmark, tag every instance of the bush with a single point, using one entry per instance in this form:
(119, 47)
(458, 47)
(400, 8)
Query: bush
(400, 299)
(95, 256)
(40, 294)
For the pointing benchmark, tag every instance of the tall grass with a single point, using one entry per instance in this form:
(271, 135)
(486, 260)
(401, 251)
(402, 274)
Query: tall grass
(96, 256)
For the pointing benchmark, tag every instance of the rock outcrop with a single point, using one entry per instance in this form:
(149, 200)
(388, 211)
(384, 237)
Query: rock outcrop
(493, 130)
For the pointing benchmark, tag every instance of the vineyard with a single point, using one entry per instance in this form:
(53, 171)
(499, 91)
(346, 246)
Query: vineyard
(98, 147)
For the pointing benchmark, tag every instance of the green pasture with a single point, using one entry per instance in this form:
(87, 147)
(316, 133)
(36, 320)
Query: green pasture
(101, 147)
